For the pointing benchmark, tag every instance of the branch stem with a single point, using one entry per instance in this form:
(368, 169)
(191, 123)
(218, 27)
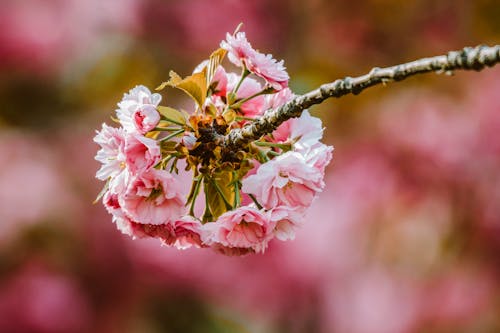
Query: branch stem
(469, 58)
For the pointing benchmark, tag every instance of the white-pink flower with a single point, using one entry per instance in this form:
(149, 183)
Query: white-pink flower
(112, 152)
(239, 49)
(274, 72)
(220, 81)
(318, 156)
(141, 153)
(287, 219)
(126, 225)
(137, 110)
(124, 156)
(153, 197)
(253, 107)
(241, 53)
(286, 180)
(304, 132)
(110, 202)
(146, 119)
(240, 230)
(186, 232)
(274, 101)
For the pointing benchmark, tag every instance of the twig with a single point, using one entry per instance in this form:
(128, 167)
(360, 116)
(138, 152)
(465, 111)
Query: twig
(469, 58)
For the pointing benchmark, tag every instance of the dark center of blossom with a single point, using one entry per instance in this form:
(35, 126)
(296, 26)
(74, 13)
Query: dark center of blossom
(209, 154)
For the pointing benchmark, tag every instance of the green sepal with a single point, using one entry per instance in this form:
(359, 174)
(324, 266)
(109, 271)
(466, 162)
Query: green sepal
(102, 192)
(172, 115)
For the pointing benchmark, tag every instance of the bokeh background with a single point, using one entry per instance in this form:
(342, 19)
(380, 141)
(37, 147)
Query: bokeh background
(405, 237)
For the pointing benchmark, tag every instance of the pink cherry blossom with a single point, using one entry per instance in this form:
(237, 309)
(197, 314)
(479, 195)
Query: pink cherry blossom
(220, 79)
(274, 72)
(253, 107)
(287, 219)
(274, 101)
(186, 232)
(239, 231)
(137, 110)
(318, 156)
(141, 153)
(286, 180)
(119, 150)
(146, 119)
(123, 223)
(153, 197)
(126, 225)
(112, 152)
(305, 131)
(141, 230)
(133, 229)
(110, 202)
(241, 53)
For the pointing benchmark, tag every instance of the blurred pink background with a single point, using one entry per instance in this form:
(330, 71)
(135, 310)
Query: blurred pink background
(405, 237)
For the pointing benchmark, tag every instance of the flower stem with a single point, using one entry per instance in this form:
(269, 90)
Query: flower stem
(284, 146)
(246, 99)
(237, 196)
(166, 129)
(168, 137)
(244, 73)
(195, 190)
(173, 167)
(255, 201)
(164, 162)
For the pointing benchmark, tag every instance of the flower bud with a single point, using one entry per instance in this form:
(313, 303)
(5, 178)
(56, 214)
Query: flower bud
(146, 118)
(189, 140)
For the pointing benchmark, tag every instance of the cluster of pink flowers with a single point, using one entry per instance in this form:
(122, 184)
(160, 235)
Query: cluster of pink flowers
(284, 170)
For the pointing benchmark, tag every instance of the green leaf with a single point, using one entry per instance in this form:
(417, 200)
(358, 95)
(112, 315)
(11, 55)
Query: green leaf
(219, 192)
(195, 86)
(172, 115)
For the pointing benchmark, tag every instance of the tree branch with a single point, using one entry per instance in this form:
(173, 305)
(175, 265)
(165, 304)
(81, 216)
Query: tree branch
(469, 58)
